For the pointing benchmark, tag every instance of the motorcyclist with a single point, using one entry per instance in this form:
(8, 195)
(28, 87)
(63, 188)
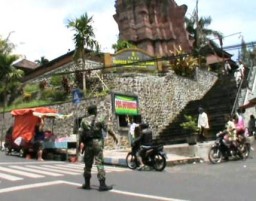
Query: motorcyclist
(143, 139)
(230, 130)
(136, 145)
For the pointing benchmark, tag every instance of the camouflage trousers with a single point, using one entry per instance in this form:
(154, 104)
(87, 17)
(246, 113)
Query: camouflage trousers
(94, 151)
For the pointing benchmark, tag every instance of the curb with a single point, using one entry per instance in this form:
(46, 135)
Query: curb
(122, 162)
(115, 161)
(184, 161)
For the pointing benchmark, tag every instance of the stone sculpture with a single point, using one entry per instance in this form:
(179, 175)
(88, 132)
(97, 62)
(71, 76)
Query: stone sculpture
(155, 26)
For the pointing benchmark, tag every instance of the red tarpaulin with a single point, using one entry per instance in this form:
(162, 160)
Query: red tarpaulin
(25, 122)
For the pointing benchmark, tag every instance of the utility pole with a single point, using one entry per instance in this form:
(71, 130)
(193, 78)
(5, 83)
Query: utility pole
(197, 33)
(197, 26)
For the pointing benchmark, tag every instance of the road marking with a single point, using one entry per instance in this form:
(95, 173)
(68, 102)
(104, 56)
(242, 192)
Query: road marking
(36, 171)
(9, 177)
(81, 167)
(20, 172)
(42, 170)
(68, 169)
(38, 185)
(153, 197)
(29, 186)
(52, 169)
(31, 162)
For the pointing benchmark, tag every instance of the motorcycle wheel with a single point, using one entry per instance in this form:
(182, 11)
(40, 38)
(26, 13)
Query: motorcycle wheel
(131, 161)
(246, 150)
(7, 151)
(215, 155)
(159, 162)
(21, 153)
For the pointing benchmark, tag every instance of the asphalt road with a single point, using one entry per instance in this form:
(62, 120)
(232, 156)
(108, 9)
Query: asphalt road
(52, 180)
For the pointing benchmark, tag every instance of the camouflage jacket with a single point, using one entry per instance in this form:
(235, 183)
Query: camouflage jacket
(91, 128)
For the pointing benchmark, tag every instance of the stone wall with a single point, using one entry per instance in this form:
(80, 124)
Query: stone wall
(160, 100)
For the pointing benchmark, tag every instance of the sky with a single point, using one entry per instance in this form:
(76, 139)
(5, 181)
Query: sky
(39, 27)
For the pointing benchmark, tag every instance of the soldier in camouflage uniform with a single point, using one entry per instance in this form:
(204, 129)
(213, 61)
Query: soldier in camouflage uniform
(91, 143)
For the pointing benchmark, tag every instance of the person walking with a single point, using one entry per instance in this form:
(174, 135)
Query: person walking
(227, 68)
(251, 125)
(239, 73)
(202, 124)
(91, 144)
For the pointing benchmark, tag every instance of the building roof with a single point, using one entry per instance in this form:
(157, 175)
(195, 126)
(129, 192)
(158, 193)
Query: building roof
(25, 64)
(59, 62)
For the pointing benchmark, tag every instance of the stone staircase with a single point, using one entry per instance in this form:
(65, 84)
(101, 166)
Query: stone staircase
(217, 102)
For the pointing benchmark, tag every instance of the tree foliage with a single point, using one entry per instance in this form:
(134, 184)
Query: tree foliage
(122, 44)
(84, 36)
(200, 34)
(9, 75)
(42, 61)
(183, 64)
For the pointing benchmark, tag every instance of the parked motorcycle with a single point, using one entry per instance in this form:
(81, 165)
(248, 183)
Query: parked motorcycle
(152, 156)
(222, 150)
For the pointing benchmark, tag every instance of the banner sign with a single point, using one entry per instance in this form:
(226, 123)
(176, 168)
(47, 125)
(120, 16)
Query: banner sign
(131, 58)
(125, 104)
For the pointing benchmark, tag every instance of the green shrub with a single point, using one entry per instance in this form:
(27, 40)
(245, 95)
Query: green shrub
(190, 124)
(56, 81)
(31, 88)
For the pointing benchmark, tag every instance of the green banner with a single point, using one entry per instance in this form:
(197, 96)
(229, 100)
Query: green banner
(126, 105)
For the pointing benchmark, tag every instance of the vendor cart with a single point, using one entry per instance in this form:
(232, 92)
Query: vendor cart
(19, 137)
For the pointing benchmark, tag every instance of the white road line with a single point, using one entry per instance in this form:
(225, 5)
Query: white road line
(153, 197)
(51, 170)
(30, 162)
(26, 174)
(29, 186)
(36, 171)
(38, 185)
(81, 167)
(63, 168)
(9, 177)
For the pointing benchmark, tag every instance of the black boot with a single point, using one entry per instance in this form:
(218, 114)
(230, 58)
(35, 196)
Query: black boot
(86, 184)
(103, 186)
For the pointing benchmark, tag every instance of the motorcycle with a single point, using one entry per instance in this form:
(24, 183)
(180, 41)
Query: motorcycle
(152, 156)
(221, 149)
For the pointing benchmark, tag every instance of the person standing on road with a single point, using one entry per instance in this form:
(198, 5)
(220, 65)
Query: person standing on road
(202, 124)
(91, 143)
(132, 124)
(251, 125)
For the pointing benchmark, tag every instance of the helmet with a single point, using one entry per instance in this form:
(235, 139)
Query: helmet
(144, 125)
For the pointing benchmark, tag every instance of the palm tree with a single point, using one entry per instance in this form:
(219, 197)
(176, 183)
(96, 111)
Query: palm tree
(42, 61)
(199, 32)
(83, 38)
(9, 75)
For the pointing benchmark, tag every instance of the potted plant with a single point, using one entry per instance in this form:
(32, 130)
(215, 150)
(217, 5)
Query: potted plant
(190, 128)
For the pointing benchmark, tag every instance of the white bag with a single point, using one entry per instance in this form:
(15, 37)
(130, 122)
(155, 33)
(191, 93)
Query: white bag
(18, 141)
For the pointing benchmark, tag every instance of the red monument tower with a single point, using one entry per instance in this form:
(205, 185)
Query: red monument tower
(154, 26)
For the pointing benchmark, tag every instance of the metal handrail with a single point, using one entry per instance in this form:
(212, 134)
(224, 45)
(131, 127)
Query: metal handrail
(237, 96)
(239, 91)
